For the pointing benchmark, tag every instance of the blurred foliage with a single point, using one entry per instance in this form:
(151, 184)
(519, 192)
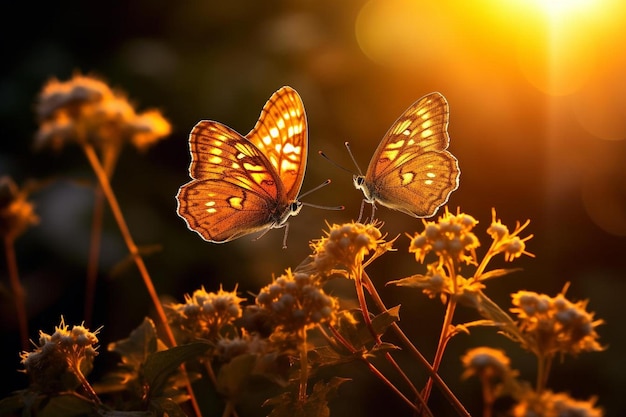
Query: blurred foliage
(519, 151)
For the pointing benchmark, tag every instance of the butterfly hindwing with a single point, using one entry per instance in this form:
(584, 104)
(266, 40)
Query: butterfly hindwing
(221, 211)
(411, 170)
(238, 183)
(419, 186)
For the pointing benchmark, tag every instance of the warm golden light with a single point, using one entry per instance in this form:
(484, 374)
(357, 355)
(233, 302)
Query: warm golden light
(562, 7)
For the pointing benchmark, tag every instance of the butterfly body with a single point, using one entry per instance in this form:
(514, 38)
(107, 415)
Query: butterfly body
(242, 185)
(411, 170)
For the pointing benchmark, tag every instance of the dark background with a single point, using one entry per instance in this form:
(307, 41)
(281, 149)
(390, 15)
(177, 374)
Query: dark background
(534, 139)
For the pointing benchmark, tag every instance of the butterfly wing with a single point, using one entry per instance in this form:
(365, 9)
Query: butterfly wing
(235, 189)
(281, 135)
(411, 170)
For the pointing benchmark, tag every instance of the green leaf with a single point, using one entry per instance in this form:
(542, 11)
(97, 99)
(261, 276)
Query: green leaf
(66, 405)
(11, 405)
(166, 407)
(497, 273)
(383, 347)
(416, 281)
(380, 324)
(492, 311)
(135, 350)
(234, 375)
(160, 365)
(117, 413)
(315, 405)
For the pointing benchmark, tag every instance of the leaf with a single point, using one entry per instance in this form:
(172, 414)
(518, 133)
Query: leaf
(141, 343)
(497, 273)
(10, 406)
(492, 311)
(479, 323)
(233, 376)
(383, 347)
(166, 407)
(160, 365)
(380, 324)
(66, 405)
(118, 413)
(315, 405)
(416, 281)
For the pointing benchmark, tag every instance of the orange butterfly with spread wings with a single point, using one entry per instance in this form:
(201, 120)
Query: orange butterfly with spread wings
(242, 185)
(411, 170)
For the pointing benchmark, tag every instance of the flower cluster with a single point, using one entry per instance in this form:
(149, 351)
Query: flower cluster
(486, 363)
(508, 243)
(346, 246)
(66, 349)
(228, 348)
(203, 314)
(85, 109)
(16, 212)
(295, 301)
(551, 404)
(554, 324)
(451, 237)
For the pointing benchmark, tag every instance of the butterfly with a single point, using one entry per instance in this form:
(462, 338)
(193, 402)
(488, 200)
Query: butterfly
(411, 170)
(242, 185)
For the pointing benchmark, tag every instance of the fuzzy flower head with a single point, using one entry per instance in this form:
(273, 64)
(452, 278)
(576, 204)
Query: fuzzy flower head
(229, 348)
(16, 212)
(295, 301)
(451, 237)
(510, 244)
(554, 324)
(346, 246)
(487, 364)
(85, 110)
(66, 350)
(551, 404)
(204, 314)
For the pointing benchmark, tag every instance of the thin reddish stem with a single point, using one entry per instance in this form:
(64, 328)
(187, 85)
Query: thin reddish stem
(134, 251)
(18, 290)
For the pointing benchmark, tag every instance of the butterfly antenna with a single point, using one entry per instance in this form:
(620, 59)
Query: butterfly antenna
(324, 184)
(322, 154)
(353, 159)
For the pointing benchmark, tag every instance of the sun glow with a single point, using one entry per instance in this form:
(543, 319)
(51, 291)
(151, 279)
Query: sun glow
(564, 7)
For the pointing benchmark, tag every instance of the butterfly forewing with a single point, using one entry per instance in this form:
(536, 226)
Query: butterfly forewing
(281, 135)
(235, 188)
(411, 170)
(220, 153)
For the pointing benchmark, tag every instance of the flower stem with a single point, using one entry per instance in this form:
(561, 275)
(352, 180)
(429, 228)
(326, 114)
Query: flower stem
(358, 279)
(544, 364)
(418, 355)
(18, 290)
(441, 346)
(345, 343)
(304, 366)
(134, 251)
(109, 160)
(75, 367)
(94, 254)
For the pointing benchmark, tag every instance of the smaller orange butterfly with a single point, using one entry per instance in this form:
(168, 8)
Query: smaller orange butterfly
(411, 170)
(241, 185)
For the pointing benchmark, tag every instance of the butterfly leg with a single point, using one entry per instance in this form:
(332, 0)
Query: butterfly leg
(285, 237)
(361, 211)
(373, 211)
